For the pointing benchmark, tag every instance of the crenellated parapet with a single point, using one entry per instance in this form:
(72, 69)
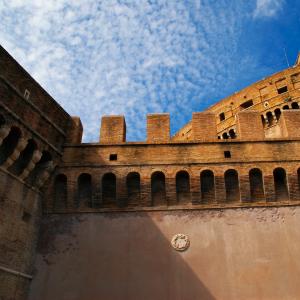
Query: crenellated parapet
(204, 172)
(269, 96)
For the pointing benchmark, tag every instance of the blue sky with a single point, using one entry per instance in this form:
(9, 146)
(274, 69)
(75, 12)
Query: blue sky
(137, 57)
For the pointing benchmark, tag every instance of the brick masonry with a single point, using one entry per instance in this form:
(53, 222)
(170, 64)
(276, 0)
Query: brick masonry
(247, 164)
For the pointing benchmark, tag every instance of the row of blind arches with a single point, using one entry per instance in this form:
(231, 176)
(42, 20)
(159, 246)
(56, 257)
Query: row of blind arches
(84, 191)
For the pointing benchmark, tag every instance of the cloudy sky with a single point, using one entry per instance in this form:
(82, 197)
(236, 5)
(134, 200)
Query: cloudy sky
(143, 56)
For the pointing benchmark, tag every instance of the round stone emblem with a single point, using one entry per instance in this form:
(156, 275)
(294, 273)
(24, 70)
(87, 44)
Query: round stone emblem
(180, 242)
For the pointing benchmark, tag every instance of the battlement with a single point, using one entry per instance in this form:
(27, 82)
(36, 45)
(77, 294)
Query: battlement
(269, 96)
(249, 126)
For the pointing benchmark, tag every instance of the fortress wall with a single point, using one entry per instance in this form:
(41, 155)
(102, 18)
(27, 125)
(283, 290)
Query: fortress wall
(33, 128)
(240, 172)
(263, 96)
(40, 107)
(20, 212)
(234, 254)
(181, 153)
(180, 187)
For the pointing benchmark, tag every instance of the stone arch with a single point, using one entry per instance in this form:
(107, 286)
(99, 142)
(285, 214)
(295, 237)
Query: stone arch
(133, 184)
(280, 184)
(109, 188)
(232, 185)
(60, 191)
(277, 112)
(207, 186)
(24, 158)
(84, 190)
(158, 189)
(183, 192)
(295, 105)
(285, 107)
(256, 185)
(9, 144)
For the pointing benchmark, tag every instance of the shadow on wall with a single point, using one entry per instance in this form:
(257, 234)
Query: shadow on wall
(112, 256)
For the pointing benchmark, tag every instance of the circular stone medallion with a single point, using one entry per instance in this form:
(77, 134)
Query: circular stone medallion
(180, 242)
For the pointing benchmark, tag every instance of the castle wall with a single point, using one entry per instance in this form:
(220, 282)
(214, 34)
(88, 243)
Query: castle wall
(20, 213)
(33, 128)
(233, 254)
(269, 96)
(183, 168)
(111, 208)
(22, 95)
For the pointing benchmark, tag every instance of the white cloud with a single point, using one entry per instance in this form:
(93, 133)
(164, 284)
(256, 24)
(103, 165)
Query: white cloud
(126, 57)
(267, 8)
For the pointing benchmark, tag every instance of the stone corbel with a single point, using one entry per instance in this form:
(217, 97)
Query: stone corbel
(35, 158)
(16, 153)
(45, 175)
(4, 131)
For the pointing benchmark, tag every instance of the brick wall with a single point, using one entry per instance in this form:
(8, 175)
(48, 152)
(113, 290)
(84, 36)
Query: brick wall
(158, 128)
(20, 212)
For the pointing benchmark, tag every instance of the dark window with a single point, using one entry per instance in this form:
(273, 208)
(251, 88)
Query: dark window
(225, 136)
(295, 105)
(232, 134)
(113, 157)
(227, 154)
(282, 90)
(222, 116)
(246, 104)
(277, 113)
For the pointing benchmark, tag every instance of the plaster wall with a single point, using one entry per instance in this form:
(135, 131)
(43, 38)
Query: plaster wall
(234, 254)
